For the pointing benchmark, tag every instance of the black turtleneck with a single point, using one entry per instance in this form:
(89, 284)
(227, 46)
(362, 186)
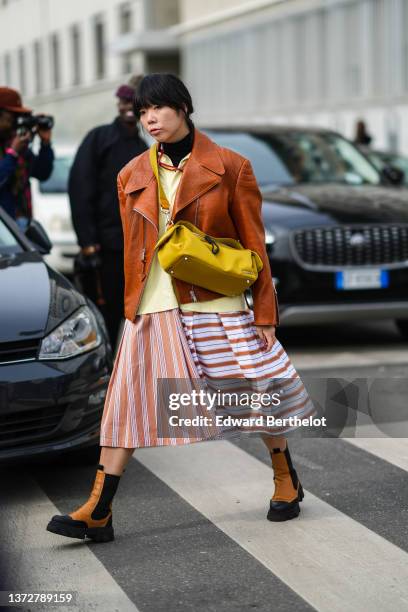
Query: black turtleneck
(177, 150)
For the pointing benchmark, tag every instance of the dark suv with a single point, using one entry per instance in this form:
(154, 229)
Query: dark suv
(336, 228)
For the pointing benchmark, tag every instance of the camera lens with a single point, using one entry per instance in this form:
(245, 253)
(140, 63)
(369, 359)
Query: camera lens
(45, 122)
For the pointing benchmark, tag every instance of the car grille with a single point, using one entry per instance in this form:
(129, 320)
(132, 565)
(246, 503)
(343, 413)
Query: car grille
(18, 351)
(26, 425)
(351, 245)
(22, 427)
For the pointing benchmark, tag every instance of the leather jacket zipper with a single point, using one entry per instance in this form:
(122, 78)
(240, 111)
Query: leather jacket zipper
(143, 258)
(192, 293)
(276, 304)
(144, 253)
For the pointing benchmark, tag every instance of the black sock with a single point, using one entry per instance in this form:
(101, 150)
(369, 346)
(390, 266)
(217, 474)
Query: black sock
(102, 467)
(110, 486)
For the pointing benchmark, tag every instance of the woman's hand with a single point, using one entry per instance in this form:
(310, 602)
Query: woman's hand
(20, 143)
(267, 334)
(45, 136)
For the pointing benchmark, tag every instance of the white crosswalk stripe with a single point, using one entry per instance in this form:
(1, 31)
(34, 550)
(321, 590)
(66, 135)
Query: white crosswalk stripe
(41, 561)
(327, 558)
(393, 450)
(330, 560)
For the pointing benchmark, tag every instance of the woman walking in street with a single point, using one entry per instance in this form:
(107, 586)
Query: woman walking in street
(180, 331)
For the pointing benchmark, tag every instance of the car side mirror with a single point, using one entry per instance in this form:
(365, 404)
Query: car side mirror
(39, 237)
(393, 175)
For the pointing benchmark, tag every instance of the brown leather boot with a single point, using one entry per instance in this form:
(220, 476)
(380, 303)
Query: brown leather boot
(94, 518)
(284, 504)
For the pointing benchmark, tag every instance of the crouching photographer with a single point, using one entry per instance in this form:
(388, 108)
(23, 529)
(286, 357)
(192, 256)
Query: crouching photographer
(18, 128)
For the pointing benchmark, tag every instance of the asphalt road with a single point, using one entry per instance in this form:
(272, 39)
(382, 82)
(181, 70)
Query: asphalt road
(191, 533)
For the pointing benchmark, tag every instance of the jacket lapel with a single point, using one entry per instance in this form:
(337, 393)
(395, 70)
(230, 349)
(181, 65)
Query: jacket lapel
(142, 183)
(203, 171)
(147, 203)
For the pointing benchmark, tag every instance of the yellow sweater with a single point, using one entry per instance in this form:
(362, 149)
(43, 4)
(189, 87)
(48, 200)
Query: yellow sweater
(158, 294)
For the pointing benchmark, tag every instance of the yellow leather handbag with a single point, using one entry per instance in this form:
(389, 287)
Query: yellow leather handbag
(222, 265)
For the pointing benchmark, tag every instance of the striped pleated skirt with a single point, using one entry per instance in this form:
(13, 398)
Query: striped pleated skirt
(217, 363)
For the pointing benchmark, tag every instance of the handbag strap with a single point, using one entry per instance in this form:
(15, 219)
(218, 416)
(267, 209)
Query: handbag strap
(247, 302)
(164, 203)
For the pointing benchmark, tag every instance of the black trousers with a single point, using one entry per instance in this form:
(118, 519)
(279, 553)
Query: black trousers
(105, 287)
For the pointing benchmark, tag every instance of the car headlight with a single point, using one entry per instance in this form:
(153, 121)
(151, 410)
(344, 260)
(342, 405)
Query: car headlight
(269, 236)
(78, 334)
(274, 233)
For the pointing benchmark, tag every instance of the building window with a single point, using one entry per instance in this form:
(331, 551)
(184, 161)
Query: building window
(353, 49)
(300, 66)
(38, 74)
(7, 69)
(22, 70)
(76, 55)
(125, 26)
(99, 37)
(55, 61)
(405, 44)
(321, 64)
(125, 18)
(379, 46)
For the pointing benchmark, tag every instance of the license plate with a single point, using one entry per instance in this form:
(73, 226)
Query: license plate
(362, 278)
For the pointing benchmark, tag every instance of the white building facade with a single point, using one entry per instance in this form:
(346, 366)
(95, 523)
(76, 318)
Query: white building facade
(304, 62)
(67, 58)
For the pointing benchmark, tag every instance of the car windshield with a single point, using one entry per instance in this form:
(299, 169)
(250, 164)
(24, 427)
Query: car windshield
(267, 166)
(380, 159)
(58, 181)
(322, 158)
(8, 243)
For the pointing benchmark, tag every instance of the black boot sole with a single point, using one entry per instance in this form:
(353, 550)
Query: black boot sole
(290, 511)
(97, 534)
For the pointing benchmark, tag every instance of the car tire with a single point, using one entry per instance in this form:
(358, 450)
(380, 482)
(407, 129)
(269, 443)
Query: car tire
(402, 325)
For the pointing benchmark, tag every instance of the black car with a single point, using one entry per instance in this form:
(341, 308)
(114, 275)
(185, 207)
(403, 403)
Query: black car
(336, 227)
(55, 358)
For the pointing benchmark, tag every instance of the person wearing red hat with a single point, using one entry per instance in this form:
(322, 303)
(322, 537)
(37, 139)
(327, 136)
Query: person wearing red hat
(95, 207)
(17, 162)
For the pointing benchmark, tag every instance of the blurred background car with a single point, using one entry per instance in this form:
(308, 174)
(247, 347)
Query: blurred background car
(336, 228)
(51, 208)
(383, 159)
(55, 357)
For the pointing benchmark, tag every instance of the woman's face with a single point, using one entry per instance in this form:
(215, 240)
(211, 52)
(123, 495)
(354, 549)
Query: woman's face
(164, 123)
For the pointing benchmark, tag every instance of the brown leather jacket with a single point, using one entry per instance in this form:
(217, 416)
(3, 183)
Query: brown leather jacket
(219, 194)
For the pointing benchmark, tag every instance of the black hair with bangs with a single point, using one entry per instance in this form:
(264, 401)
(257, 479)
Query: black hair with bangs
(163, 89)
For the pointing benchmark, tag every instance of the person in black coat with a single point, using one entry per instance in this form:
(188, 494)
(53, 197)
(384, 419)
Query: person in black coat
(95, 208)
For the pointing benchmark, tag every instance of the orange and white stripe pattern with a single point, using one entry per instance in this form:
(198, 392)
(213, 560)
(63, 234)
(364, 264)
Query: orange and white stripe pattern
(192, 350)
(230, 356)
(151, 349)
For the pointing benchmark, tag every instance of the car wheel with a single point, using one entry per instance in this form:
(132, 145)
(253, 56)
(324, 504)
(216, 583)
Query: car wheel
(402, 325)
